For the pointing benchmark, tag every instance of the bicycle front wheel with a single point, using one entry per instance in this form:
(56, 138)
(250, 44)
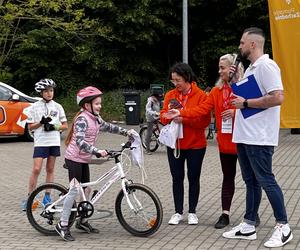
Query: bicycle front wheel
(153, 142)
(146, 216)
(42, 220)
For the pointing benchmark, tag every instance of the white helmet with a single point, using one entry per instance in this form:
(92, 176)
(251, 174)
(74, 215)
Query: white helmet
(44, 84)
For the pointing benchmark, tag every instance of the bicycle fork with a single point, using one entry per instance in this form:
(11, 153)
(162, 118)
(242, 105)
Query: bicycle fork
(138, 206)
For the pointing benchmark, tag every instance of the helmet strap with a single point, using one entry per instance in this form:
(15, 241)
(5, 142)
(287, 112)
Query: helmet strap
(92, 110)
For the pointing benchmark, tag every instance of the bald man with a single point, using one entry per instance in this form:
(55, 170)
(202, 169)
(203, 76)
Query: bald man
(256, 136)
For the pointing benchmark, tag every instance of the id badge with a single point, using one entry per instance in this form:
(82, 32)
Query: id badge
(227, 126)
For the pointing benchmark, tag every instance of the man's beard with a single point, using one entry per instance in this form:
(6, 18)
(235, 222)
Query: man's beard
(245, 54)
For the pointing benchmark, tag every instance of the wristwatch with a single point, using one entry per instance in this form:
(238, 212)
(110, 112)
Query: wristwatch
(245, 104)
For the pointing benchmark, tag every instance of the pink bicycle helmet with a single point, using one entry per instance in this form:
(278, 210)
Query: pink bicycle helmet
(87, 94)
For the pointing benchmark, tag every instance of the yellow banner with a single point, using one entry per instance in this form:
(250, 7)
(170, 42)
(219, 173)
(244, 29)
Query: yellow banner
(285, 34)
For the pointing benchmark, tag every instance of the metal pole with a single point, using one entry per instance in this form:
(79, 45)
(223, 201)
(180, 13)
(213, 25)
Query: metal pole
(185, 31)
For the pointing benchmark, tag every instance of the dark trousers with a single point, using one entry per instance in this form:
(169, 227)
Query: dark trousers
(78, 170)
(228, 163)
(193, 158)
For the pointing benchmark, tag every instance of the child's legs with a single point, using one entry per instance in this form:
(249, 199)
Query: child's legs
(68, 202)
(149, 134)
(79, 171)
(37, 166)
(52, 154)
(50, 168)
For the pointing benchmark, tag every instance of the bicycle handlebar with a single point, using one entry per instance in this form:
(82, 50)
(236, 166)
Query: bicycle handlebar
(116, 153)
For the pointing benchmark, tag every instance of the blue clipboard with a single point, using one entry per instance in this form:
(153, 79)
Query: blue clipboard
(249, 89)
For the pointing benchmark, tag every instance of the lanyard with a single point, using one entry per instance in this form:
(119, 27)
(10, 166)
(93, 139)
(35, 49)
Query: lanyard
(46, 110)
(183, 98)
(226, 92)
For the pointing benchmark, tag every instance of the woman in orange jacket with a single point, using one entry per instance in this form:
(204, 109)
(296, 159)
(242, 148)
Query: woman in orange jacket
(192, 146)
(219, 101)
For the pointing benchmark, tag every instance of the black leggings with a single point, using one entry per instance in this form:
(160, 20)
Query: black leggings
(228, 163)
(194, 158)
(78, 170)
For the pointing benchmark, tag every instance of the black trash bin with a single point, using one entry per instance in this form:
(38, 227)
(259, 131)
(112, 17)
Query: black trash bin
(132, 107)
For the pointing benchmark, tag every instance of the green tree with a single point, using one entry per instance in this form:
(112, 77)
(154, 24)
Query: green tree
(118, 44)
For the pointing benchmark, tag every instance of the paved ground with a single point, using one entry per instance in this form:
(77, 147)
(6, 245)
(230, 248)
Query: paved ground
(17, 233)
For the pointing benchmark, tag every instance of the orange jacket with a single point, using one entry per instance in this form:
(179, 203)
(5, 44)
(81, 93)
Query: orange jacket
(193, 127)
(214, 102)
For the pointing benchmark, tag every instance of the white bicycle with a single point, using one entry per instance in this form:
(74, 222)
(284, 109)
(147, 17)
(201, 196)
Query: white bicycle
(137, 207)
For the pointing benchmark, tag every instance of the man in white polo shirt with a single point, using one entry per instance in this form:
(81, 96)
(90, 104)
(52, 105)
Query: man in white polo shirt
(256, 137)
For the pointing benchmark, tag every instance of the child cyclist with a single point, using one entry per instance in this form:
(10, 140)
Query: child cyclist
(47, 118)
(80, 144)
(152, 115)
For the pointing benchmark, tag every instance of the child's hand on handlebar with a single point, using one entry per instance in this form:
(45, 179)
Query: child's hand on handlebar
(131, 132)
(101, 153)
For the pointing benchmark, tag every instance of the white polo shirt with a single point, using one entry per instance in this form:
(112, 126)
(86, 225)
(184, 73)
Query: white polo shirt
(52, 109)
(263, 127)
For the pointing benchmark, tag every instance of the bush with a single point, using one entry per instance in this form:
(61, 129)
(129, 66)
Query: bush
(113, 105)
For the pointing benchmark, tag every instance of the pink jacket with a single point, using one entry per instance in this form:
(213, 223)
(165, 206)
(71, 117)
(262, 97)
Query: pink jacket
(85, 131)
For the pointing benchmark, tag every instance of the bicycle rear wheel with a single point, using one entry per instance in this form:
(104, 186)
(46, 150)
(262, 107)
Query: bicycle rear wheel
(153, 142)
(146, 217)
(42, 220)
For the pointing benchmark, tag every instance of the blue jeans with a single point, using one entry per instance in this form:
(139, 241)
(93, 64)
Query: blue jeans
(256, 168)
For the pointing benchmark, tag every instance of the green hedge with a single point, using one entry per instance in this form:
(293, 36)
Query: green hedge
(113, 105)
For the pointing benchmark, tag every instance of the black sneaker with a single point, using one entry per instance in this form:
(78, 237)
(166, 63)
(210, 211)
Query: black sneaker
(64, 232)
(223, 221)
(86, 226)
(257, 221)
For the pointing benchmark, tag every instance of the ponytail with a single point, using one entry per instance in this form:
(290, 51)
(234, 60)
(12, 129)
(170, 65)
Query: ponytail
(69, 136)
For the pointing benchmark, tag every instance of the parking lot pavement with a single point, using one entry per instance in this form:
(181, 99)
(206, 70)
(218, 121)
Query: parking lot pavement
(17, 233)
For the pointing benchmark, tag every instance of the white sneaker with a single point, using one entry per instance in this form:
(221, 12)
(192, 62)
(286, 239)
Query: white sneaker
(175, 219)
(282, 234)
(192, 219)
(242, 231)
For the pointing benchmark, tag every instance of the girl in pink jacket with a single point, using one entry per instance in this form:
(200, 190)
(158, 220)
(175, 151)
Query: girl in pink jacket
(80, 149)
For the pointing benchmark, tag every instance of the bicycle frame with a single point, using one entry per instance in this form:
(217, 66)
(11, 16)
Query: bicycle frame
(114, 174)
